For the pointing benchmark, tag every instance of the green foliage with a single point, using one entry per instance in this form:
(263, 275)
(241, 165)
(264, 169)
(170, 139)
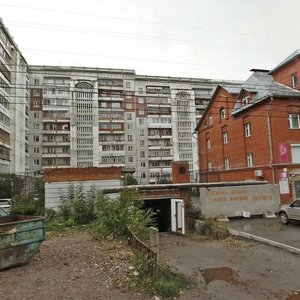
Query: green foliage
(114, 215)
(77, 206)
(27, 205)
(130, 180)
(164, 282)
(5, 185)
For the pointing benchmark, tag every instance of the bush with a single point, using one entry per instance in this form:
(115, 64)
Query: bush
(27, 205)
(114, 215)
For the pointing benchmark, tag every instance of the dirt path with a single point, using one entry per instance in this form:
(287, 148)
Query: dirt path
(70, 267)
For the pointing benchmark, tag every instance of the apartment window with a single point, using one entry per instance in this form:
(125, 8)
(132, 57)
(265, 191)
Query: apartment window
(36, 126)
(142, 121)
(128, 95)
(209, 165)
(36, 162)
(36, 115)
(36, 93)
(143, 164)
(128, 84)
(142, 143)
(222, 113)
(208, 145)
(143, 175)
(36, 81)
(116, 105)
(295, 150)
(142, 132)
(129, 126)
(141, 100)
(249, 159)
(129, 105)
(294, 121)
(129, 138)
(247, 130)
(129, 116)
(130, 159)
(294, 78)
(226, 163)
(130, 148)
(36, 150)
(141, 112)
(210, 119)
(225, 137)
(142, 153)
(36, 138)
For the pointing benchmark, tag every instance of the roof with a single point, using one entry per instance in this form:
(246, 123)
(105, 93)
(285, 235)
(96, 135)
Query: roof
(291, 57)
(231, 88)
(262, 85)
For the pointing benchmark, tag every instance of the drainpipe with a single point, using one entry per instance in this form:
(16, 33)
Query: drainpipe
(270, 141)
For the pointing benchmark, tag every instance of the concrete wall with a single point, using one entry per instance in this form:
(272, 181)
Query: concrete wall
(231, 201)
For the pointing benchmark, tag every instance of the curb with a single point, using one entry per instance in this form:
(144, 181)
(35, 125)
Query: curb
(263, 240)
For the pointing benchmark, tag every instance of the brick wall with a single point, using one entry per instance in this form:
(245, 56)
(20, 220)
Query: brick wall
(180, 172)
(81, 174)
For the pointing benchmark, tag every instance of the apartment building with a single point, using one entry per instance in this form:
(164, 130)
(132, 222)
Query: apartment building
(90, 117)
(13, 106)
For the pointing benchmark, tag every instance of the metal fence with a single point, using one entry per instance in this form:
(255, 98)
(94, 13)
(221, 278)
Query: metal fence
(149, 254)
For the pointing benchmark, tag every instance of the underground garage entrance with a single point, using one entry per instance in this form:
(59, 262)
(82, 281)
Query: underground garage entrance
(169, 214)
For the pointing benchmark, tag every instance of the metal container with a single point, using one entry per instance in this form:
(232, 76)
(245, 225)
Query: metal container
(20, 237)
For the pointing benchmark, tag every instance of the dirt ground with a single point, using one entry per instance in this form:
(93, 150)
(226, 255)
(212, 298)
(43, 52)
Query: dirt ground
(70, 267)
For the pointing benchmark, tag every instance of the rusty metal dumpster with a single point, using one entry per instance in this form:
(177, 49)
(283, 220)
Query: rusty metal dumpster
(20, 238)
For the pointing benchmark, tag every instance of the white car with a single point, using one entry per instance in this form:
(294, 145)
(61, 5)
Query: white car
(6, 205)
(290, 212)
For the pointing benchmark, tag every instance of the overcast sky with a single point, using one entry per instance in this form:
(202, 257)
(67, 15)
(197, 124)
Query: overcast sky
(219, 39)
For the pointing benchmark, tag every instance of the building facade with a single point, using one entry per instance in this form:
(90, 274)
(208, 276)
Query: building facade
(90, 117)
(252, 133)
(13, 106)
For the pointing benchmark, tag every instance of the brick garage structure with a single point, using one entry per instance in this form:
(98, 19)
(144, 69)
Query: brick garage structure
(251, 134)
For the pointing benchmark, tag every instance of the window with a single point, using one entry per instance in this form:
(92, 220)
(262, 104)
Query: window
(129, 116)
(129, 138)
(141, 112)
(140, 90)
(209, 165)
(294, 78)
(208, 144)
(222, 113)
(128, 84)
(140, 100)
(36, 93)
(294, 121)
(129, 105)
(142, 132)
(295, 150)
(36, 126)
(142, 121)
(129, 126)
(36, 104)
(130, 148)
(143, 164)
(130, 159)
(210, 119)
(245, 100)
(36, 81)
(142, 153)
(249, 159)
(36, 115)
(36, 138)
(36, 150)
(247, 130)
(36, 162)
(142, 143)
(225, 137)
(226, 163)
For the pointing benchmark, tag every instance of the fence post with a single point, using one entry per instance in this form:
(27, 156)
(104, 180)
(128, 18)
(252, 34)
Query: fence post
(154, 239)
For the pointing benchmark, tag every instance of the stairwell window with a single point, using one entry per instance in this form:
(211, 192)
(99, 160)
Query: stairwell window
(225, 137)
(210, 119)
(222, 113)
(294, 121)
(247, 130)
(249, 159)
(294, 78)
(226, 163)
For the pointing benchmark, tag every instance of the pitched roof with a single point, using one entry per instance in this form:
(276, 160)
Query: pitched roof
(292, 56)
(262, 85)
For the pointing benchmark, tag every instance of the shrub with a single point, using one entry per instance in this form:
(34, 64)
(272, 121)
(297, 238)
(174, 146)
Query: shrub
(27, 205)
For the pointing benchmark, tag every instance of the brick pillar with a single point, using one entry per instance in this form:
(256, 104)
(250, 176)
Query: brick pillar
(180, 172)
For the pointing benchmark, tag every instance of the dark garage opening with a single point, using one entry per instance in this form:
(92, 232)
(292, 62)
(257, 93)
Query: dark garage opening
(162, 210)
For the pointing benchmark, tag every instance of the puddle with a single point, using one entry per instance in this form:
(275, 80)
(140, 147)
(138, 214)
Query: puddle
(295, 296)
(223, 273)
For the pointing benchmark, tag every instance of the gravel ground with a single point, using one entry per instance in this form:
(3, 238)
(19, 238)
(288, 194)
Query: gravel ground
(71, 267)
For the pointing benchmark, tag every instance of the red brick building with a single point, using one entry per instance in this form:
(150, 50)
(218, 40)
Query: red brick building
(253, 132)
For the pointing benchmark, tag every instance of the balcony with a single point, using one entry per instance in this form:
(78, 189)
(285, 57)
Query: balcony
(55, 155)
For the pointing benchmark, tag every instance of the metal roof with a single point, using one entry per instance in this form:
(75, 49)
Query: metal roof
(262, 85)
(287, 60)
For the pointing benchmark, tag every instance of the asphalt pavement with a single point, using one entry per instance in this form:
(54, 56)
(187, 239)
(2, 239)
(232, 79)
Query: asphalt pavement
(270, 229)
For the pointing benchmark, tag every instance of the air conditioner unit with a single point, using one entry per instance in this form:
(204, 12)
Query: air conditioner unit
(258, 173)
